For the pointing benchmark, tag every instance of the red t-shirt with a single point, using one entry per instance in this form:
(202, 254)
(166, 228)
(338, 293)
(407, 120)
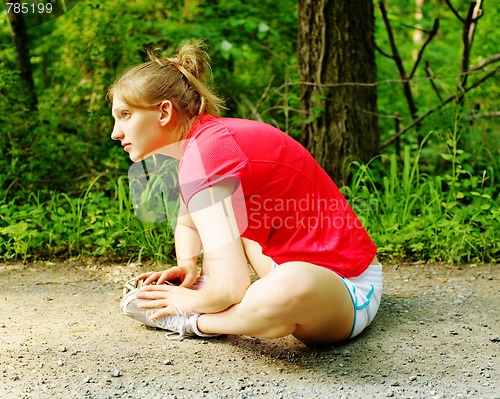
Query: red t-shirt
(293, 209)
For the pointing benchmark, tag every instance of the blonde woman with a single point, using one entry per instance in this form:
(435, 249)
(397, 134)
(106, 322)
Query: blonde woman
(250, 194)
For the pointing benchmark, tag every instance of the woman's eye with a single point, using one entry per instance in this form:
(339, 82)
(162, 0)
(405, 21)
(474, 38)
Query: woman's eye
(125, 114)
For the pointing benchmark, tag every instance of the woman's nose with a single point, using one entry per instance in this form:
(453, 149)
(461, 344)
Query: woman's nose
(116, 134)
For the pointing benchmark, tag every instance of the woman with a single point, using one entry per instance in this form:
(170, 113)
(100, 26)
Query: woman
(249, 194)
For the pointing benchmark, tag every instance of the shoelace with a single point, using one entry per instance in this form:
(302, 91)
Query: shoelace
(176, 324)
(131, 285)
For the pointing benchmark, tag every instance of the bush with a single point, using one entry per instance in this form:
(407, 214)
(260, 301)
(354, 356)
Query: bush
(417, 216)
(92, 224)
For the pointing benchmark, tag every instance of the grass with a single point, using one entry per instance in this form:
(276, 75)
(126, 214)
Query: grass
(411, 214)
(93, 224)
(417, 216)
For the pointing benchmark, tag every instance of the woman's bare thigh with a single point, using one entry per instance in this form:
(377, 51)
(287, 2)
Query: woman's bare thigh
(327, 313)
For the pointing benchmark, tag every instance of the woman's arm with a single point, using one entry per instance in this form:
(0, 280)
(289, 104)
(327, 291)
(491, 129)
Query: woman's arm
(187, 248)
(187, 242)
(224, 260)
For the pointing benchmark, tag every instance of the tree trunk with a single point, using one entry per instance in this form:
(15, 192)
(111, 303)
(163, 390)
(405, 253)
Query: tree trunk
(21, 41)
(336, 52)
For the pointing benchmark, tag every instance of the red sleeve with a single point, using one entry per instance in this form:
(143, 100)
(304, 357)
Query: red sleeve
(211, 156)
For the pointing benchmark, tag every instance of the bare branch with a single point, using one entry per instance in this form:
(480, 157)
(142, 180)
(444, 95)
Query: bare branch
(367, 84)
(421, 51)
(413, 28)
(255, 111)
(493, 114)
(399, 63)
(454, 11)
(383, 52)
(392, 41)
(473, 14)
(465, 40)
(265, 93)
(476, 14)
(430, 73)
(483, 63)
(418, 120)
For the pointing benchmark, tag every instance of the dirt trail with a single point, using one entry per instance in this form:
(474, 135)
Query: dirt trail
(62, 336)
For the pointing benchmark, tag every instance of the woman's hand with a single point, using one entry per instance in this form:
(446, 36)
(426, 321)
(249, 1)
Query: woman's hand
(166, 298)
(186, 276)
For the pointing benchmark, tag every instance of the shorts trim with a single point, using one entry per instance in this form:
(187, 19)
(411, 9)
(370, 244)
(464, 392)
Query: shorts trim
(365, 291)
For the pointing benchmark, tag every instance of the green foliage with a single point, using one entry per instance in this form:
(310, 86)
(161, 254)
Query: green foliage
(92, 224)
(61, 188)
(416, 216)
(452, 218)
(439, 201)
(77, 56)
(443, 57)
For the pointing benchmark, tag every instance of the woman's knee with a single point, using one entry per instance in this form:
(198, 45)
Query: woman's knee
(285, 289)
(293, 296)
(305, 289)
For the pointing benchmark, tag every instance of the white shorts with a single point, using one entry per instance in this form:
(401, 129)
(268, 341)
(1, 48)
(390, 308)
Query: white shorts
(366, 292)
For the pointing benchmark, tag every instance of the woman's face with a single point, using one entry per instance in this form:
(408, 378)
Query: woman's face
(142, 132)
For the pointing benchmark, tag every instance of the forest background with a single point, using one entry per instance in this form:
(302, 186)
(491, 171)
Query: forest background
(430, 195)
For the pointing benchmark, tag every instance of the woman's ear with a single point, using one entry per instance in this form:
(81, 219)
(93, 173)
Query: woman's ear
(167, 112)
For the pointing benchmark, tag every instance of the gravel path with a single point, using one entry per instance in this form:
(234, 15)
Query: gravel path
(436, 336)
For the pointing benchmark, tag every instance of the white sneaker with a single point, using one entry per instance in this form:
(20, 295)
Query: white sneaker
(129, 305)
(178, 326)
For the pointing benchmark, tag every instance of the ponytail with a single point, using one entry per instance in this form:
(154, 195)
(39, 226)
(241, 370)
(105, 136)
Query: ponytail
(182, 79)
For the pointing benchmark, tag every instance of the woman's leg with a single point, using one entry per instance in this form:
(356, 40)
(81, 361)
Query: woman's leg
(298, 298)
(261, 263)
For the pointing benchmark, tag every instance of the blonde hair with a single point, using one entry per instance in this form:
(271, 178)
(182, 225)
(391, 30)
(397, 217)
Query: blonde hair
(180, 79)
